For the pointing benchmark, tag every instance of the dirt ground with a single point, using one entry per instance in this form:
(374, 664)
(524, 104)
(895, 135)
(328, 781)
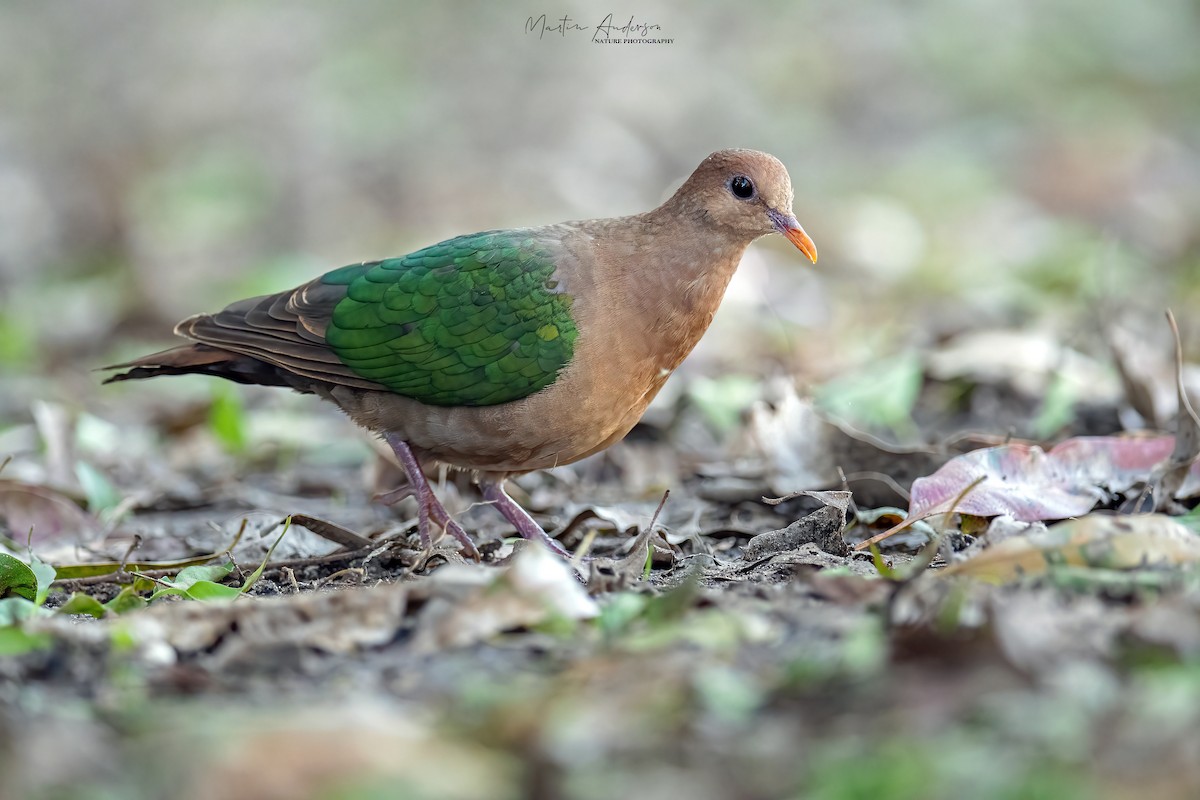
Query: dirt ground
(751, 654)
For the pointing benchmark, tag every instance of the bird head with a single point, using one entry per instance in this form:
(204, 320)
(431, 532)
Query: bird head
(747, 193)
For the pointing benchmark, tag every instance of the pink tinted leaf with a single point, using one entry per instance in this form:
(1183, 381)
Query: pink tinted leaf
(1030, 484)
(52, 516)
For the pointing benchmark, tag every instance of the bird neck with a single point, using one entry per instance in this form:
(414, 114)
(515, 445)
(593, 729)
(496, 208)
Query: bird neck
(673, 290)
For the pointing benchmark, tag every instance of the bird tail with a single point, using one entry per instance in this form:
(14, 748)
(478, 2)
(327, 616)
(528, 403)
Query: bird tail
(199, 359)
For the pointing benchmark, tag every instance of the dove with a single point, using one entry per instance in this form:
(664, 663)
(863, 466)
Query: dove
(505, 351)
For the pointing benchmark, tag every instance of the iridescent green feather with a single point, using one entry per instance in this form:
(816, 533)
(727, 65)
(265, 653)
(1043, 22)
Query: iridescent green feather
(473, 321)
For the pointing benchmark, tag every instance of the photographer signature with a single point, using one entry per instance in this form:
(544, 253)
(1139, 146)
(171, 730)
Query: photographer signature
(603, 32)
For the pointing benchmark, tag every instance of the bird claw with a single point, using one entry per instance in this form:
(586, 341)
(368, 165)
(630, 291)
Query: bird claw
(430, 510)
(526, 525)
(454, 529)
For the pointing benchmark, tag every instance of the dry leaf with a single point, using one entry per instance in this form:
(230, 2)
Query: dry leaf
(53, 517)
(1097, 540)
(473, 603)
(1030, 484)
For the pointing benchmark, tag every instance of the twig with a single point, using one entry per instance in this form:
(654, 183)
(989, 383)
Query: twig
(1173, 471)
(316, 561)
(330, 531)
(642, 542)
(133, 545)
(882, 477)
(291, 578)
(112, 577)
(331, 558)
(589, 539)
(341, 573)
(907, 521)
(925, 556)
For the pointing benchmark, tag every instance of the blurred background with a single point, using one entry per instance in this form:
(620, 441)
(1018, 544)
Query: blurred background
(1028, 165)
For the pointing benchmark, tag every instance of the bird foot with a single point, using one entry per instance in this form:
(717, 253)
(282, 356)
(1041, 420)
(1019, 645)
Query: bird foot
(430, 510)
(494, 493)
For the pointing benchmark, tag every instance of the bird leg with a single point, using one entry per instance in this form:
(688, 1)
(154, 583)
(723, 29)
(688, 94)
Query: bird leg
(493, 492)
(430, 510)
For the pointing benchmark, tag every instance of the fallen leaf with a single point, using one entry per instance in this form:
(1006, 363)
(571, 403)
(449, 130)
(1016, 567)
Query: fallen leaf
(1098, 540)
(51, 516)
(80, 603)
(95, 569)
(823, 527)
(16, 578)
(838, 499)
(198, 583)
(15, 609)
(1029, 484)
(474, 603)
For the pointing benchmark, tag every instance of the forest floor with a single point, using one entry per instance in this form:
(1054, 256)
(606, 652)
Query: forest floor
(737, 646)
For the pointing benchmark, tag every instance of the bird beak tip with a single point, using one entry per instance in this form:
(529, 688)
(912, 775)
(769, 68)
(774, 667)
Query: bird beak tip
(789, 227)
(805, 244)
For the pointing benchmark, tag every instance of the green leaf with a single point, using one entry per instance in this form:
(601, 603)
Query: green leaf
(227, 418)
(729, 696)
(166, 591)
(723, 400)
(128, 600)
(18, 609)
(17, 579)
(1058, 407)
(191, 575)
(45, 577)
(619, 611)
(100, 493)
(881, 566)
(197, 583)
(254, 576)
(207, 590)
(80, 603)
(17, 338)
(200, 583)
(882, 395)
(673, 604)
(16, 641)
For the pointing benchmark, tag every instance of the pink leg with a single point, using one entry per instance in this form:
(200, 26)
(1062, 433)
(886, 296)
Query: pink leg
(430, 510)
(494, 493)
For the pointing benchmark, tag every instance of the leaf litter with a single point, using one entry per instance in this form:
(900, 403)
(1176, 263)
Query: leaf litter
(733, 618)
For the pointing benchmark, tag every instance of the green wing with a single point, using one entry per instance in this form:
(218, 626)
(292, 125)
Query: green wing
(472, 321)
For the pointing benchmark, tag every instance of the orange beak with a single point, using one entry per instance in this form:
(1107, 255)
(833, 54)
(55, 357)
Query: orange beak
(789, 227)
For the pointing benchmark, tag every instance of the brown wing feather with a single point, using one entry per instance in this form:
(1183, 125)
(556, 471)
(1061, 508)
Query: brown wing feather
(285, 332)
(200, 359)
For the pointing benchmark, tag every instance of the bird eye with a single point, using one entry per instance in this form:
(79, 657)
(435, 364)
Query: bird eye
(741, 186)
